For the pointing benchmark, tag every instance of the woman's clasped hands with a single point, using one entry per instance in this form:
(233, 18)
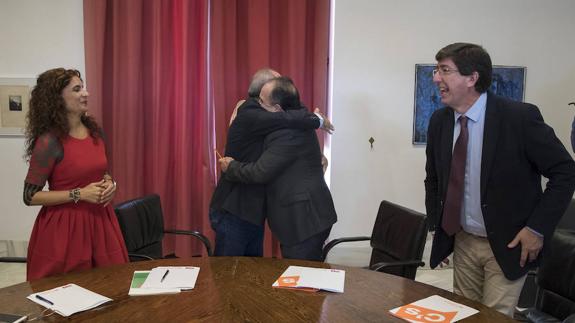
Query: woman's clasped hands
(101, 192)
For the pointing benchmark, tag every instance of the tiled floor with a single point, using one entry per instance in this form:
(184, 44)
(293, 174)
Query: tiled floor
(357, 254)
(12, 273)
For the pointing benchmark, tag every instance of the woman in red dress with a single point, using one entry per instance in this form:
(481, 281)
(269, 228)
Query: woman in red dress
(76, 228)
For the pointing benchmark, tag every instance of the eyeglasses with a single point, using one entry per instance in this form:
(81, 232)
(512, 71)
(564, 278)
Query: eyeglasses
(444, 70)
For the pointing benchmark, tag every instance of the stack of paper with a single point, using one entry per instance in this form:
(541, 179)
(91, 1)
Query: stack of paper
(312, 279)
(69, 299)
(433, 309)
(136, 286)
(163, 280)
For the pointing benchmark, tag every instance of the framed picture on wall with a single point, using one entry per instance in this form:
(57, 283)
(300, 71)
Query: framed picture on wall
(14, 100)
(507, 81)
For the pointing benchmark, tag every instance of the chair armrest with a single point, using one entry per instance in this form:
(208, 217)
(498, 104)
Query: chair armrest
(536, 316)
(335, 242)
(196, 234)
(13, 259)
(569, 319)
(382, 265)
(135, 255)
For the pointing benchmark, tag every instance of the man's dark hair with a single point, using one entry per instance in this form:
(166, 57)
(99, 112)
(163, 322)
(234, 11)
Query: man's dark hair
(258, 80)
(285, 93)
(469, 58)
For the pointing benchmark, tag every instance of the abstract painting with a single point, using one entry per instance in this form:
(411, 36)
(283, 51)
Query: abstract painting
(507, 81)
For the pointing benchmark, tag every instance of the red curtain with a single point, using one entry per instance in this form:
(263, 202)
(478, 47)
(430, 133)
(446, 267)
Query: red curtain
(290, 36)
(146, 72)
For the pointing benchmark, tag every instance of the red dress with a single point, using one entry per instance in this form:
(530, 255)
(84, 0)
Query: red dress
(70, 237)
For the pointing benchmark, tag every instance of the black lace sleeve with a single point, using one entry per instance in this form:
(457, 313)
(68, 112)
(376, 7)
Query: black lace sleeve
(47, 153)
(29, 191)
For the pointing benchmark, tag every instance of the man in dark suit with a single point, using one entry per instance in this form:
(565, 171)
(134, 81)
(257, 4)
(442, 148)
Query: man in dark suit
(237, 209)
(300, 209)
(485, 158)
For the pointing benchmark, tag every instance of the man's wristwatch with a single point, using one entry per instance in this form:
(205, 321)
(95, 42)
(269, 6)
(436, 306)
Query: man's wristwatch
(74, 195)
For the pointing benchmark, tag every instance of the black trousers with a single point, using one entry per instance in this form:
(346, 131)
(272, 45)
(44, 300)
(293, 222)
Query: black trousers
(309, 249)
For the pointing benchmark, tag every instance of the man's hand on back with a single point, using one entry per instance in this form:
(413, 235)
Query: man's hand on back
(225, 162)
(327, 125)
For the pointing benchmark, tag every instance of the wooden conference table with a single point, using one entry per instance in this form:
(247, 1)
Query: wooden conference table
(237, 289)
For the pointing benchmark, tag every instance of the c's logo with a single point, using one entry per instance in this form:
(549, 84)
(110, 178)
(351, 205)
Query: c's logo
(420, 314)
(288, 281)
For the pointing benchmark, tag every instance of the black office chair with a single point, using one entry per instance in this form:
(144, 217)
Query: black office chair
(142, 224)
(529, 291)
(568, 219)
(398, 240)
(555, 300)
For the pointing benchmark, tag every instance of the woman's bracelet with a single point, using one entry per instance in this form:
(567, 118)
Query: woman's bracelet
(74, 195)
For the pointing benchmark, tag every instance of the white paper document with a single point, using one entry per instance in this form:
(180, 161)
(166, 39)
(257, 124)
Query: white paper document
(183, 277)
(308, 278)
(138, 280)
(68, 299)
(433, 309)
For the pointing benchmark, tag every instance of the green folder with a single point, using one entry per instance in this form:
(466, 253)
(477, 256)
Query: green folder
(139, 278)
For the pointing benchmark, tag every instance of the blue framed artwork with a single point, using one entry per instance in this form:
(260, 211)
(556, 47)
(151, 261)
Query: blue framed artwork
(508, 81)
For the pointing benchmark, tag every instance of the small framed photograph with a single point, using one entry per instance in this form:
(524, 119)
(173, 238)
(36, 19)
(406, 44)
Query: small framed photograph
(14, 100)
(507, 81)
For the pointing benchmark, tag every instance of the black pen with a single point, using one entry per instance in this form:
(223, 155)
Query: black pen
(43, 299)
(165, 275)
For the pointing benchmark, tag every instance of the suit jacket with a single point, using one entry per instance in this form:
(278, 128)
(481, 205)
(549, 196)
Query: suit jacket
(518, 147)
(299, 203)
(245, 143)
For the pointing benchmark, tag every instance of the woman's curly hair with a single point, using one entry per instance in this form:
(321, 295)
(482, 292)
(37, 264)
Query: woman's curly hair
(47, 110)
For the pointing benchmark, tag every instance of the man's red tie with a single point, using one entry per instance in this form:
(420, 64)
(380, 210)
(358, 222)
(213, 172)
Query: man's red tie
(451, 222)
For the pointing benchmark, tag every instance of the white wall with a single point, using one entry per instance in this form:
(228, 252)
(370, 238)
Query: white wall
(35, 35)
(376, 45)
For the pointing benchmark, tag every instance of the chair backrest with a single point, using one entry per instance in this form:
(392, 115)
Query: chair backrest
(142, 224)
(568, 219)
(399, 234)
(556, 276)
